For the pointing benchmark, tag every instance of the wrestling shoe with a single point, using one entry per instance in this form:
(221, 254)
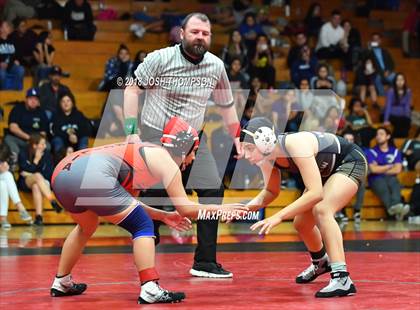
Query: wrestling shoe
(66, 287)
(209, 270)
(313, 271)
(152, 293)
(340, 285)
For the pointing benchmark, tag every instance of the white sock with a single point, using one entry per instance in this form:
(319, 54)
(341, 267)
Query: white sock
(62, 283)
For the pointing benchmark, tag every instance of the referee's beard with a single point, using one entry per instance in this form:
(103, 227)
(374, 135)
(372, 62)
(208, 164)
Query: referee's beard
(196, 48)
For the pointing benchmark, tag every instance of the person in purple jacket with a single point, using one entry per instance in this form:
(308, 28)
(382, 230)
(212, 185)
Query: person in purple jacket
(385, 163)
(398, 107)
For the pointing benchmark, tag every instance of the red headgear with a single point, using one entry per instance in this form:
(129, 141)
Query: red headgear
(179, 137)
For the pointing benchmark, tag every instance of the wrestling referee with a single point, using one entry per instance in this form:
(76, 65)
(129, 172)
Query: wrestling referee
(179, 81)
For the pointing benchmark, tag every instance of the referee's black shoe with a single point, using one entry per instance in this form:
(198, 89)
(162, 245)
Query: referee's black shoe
(209, 270)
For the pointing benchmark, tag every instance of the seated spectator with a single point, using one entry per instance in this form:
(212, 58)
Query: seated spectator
(305, 67)
(24, 40)
(51, 91)
(411, 151)
(262, 62)
(248, 110)
(35, 171)
(383, 62)
(350, 45)
(70, 128)
(313, 20)
(294, 54)
(138, 59)
(411, 28)
(360, 122)
(235, 49)
(305, 96)
(237, 79)
(385, 163)
(255, 86)
(25, 120)
(268, 27)
(241, 8)
(16, 8)
(323, 80)
(78, 20)
(286, 113)
(8, 189)
(44, 53)
(250, 30)
(119, 66)
(333, 121)
(365, 79)
(224, 16)
(330, 35)
(11, 72)
(398, 107)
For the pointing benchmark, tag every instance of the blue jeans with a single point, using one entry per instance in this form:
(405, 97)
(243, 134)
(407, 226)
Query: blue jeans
(12, 79)
(58, 144)
(380, 86)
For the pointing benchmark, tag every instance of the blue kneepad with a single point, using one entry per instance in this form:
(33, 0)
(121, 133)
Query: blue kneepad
(138, 223)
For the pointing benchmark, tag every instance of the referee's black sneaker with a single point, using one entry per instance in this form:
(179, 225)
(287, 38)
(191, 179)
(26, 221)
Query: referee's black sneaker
(209, 270)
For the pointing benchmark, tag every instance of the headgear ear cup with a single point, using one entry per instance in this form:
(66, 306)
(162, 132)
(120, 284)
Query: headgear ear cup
(265, 140)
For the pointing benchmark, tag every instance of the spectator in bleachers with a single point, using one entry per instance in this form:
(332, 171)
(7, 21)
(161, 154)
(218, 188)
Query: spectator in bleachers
(304, 67)
(11, 72)
(16, 8)
(78, 20)
(268, 27)
(411, 28)
(411, 151)
(35, 171)
(294, 54)
(24, 120)
(8, 189)
(333, 121)
(224, 16)
(398, 107)
(235, 49)
(285, 112)
(350, 44)
(305, 95)
(313, 20)
(383, 62)
(237, 79)
(70, 128)
(330, 35)
(365, 79)
(250, 30)
(51, 91)
(360, 122)
(138, 59)
(241, 8)
(119, 66)
(385, 163)
(44, 53)
(24, 40)
(261, 65)
(323, 80)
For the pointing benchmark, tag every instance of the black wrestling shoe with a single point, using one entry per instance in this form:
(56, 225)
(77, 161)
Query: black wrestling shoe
(66, 287)
(340, 285)
(56, 206)
(152, 293)
(209, 270)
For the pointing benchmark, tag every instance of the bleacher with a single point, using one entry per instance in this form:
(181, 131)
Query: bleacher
(85, 62)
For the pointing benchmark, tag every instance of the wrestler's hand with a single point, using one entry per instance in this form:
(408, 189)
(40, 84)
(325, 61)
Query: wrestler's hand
(232, 211)
(176, 221)
(267, 224)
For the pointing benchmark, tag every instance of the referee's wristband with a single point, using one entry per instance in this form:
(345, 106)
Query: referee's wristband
(130, 125)
(234, 130)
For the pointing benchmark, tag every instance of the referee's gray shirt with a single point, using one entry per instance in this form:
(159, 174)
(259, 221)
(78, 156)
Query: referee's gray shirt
(177, 86)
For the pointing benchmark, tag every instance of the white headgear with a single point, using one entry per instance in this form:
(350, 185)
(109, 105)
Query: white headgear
(264, 138)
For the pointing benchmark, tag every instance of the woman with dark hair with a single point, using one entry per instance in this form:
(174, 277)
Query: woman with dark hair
(70, 128)
(350, 44)
(398, 107)
(44, 52)
(235, 49)
(323, 80)
(313, 20)
(119, 66)
(8, 189)
(250, 30)
(365, 79)
(360, 122)
(332, 169)
(138, 59)
(333, 121)
(35, 171)
(262, 62)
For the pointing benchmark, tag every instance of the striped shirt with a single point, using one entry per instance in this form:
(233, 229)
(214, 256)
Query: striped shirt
(178, 86)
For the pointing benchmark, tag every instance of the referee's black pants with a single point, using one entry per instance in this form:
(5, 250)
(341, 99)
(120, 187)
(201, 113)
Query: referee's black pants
(202, 177)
